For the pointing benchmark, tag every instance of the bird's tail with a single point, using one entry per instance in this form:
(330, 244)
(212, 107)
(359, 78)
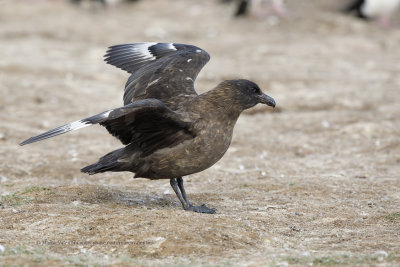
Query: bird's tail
(108, 162)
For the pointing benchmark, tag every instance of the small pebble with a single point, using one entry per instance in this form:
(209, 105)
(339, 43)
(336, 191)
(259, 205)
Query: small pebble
(283, 263)
(325, 124)
(3, 179)
(295, 228)
(305, 254)
(166, 192)
(263, 155)
(381, 253)
(360, 176)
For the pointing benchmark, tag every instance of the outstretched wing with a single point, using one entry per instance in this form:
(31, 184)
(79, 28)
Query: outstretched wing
(148, 124)
(164, 71)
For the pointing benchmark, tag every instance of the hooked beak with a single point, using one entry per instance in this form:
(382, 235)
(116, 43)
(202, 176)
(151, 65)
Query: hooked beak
(267, 100)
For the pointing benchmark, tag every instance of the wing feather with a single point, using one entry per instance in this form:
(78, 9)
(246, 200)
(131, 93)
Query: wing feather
(148, 124)
(174, 67)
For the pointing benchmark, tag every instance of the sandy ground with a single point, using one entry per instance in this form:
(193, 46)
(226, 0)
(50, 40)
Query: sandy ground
(316, 182)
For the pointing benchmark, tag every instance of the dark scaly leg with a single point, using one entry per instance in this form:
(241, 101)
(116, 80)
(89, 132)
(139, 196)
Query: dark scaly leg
(174, 185)
(177, 185)
(182, 189)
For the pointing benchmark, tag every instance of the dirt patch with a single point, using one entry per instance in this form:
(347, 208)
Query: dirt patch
(315, 182)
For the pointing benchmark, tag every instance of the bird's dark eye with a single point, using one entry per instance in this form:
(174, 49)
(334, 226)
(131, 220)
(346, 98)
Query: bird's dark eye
(255, 90)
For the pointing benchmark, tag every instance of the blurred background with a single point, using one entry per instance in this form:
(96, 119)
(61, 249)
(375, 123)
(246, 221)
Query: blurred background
(316, 179)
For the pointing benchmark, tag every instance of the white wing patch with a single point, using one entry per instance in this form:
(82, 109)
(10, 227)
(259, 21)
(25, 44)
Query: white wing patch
(143, 50)
(106, 113)
(171, 46)
(69, 127)
(76, 125)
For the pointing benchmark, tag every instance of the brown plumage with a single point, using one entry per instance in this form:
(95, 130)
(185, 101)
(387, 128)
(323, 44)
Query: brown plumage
(169, 130)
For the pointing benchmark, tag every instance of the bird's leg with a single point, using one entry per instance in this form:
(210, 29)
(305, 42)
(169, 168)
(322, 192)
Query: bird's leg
(174, 185)
(177, 185)
(180, 185)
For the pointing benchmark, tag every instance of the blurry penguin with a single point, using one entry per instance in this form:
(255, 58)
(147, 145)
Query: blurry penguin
(261, 8)
(94, 3)
(88, 2)
(374, 9)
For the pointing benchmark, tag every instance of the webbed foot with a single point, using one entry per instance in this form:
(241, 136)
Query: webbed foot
(201, 209)
(177, 185)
